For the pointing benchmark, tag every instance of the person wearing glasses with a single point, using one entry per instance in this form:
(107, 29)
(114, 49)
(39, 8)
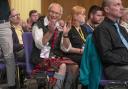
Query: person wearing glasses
(17, 29)
(46, 34)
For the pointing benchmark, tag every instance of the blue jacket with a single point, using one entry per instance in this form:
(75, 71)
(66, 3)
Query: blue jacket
(90, 68)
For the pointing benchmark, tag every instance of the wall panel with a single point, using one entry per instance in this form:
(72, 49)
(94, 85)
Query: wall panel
(67, 4)
(24, 6)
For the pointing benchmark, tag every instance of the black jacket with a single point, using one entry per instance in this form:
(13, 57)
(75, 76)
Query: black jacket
(76, 42)
(112, 51)
(16, 45)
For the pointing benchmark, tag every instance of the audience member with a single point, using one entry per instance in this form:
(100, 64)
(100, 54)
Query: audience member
(72, 43)
(46, 37)
(33, 17)
(17, 32)
(95, 17)
(111, 41)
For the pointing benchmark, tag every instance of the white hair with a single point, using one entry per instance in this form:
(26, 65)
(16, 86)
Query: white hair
(53, 4)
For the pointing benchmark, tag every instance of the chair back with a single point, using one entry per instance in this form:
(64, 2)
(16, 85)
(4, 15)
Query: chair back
(28, 45)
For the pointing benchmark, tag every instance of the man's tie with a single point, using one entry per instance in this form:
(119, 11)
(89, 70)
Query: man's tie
(124, 41)
(54, 39)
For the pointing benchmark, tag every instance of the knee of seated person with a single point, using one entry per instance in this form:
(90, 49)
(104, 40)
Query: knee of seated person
(76, 66)
(63, 65)
(62, 69)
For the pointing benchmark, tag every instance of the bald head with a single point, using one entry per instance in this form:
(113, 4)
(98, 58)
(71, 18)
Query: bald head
(112, 8)
(106, 3)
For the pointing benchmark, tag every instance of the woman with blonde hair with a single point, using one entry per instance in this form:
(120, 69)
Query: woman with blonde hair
(72, 43)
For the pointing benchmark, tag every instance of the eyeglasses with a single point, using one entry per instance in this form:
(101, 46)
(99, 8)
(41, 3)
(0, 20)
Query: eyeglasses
(13, 16)
(53, 12)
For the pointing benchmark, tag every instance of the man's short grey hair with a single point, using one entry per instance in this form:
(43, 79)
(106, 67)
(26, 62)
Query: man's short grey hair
(106, 3)
(52, 4)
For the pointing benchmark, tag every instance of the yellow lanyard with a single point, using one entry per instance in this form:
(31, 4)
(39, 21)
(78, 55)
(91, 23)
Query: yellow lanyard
(81, 35)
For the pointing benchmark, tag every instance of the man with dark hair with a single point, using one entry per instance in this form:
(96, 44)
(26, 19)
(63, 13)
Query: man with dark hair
(111, 41)
(33, 17)
(31, 12)
(95, 17)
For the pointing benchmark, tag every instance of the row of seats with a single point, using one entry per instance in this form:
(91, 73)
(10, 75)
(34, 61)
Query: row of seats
(28, 44)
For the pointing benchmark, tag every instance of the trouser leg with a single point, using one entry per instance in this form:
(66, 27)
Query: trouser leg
(71, 77)
(6, 44)
(59, 82)
(60, 75)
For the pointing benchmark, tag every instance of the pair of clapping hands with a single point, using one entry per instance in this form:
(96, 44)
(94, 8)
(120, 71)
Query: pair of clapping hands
(63, 26)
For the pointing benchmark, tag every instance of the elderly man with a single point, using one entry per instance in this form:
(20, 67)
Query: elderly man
(111, 41)
(46, 37)
(17, 32)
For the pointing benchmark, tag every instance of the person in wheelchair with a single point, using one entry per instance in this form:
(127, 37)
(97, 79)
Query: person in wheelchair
(46, 34)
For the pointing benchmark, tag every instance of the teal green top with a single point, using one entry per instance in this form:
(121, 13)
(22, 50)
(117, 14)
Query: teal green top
(90, 68)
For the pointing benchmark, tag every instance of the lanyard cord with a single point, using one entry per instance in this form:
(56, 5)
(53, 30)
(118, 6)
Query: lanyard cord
(54, 39)
(81, 35)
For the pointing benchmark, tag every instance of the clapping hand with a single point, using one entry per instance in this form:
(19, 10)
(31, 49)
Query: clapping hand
(52, 25)
(67, 28)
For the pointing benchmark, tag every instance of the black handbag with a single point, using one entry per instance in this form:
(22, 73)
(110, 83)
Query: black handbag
(117, 85)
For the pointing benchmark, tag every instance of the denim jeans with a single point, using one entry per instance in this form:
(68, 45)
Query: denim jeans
(6, 44)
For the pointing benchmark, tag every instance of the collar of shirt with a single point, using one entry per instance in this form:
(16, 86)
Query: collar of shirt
(77, 28)
(17, 27)
(109, 21)
(124, 24)
(90, 26)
